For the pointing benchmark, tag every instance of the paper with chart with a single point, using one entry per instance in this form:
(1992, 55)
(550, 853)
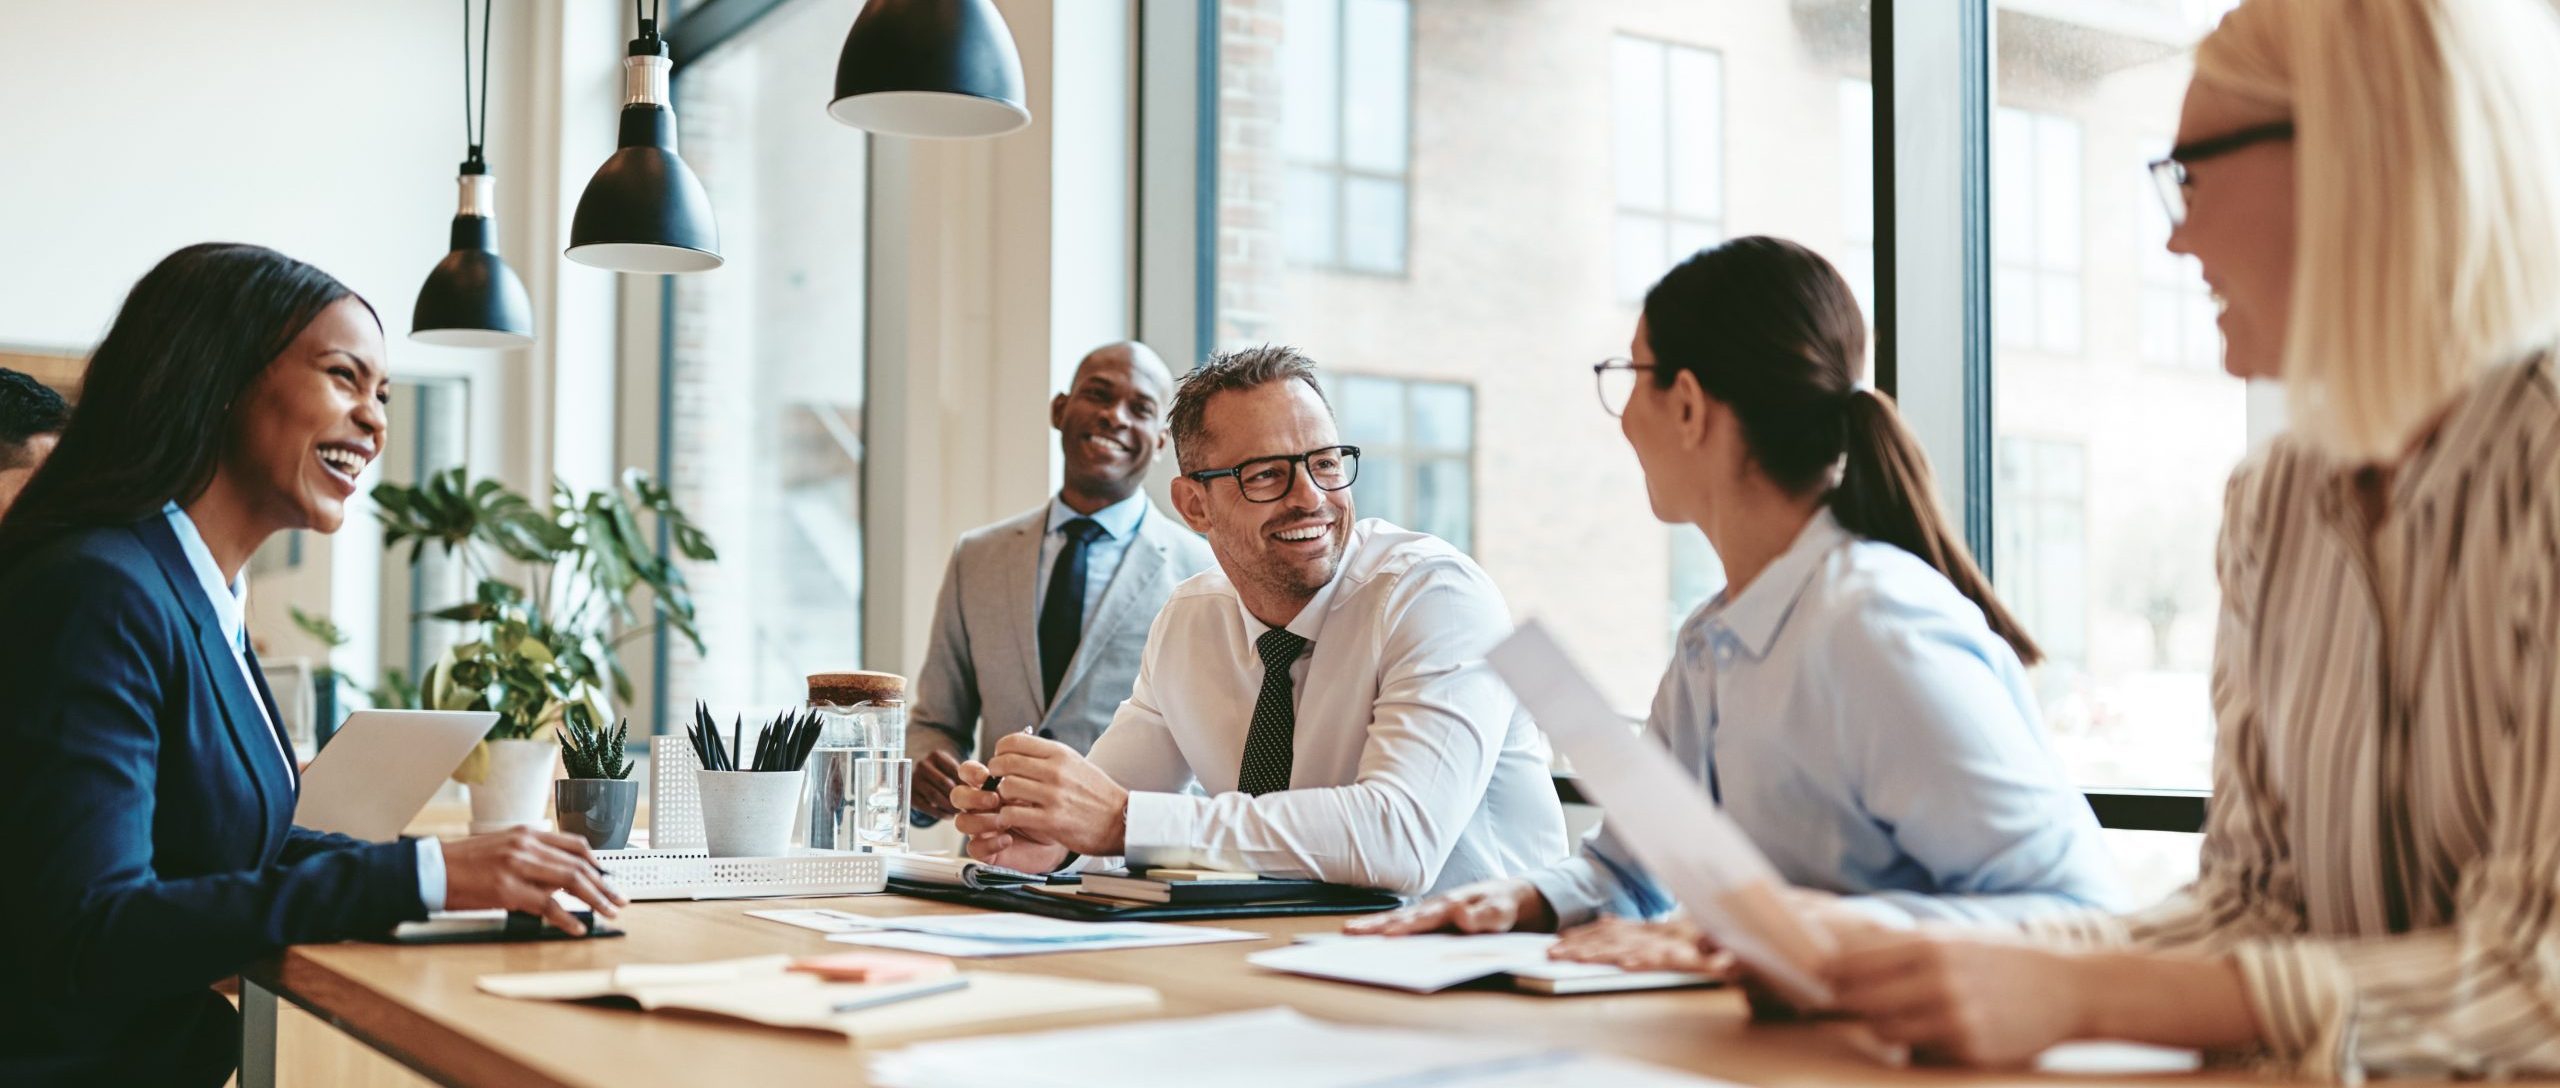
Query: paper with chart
(1666, 820)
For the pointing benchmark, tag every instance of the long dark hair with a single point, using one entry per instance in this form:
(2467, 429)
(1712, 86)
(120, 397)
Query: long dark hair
(1770, 329)
(155, 405)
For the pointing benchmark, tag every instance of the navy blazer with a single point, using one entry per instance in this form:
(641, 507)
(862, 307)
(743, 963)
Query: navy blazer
(146, 823)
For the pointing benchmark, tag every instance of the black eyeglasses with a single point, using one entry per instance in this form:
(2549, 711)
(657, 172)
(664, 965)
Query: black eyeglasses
(1616, 378)
(2169, 174)
(1267, 479)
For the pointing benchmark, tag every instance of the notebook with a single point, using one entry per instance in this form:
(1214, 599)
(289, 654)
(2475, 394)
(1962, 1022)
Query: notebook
(1434, 962)
(1200, 887)
(764, 990)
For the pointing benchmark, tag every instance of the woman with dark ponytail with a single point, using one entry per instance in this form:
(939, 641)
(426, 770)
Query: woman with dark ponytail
(1856, 697)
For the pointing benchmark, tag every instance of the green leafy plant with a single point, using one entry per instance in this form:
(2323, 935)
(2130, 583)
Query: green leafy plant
(395, 691)
(590, 750)
(546, 643)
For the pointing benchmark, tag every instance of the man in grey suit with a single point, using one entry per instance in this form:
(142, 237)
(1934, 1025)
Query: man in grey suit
(1043, 615)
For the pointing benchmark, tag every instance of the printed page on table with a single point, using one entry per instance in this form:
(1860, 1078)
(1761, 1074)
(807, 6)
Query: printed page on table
(1667, 820)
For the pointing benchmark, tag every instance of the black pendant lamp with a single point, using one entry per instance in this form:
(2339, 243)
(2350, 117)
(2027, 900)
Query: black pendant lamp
(942, 68)
(472, 299)
(644, 211)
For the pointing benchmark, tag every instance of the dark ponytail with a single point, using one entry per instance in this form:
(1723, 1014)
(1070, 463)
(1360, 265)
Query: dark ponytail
(1886, 493)
(1768, 328)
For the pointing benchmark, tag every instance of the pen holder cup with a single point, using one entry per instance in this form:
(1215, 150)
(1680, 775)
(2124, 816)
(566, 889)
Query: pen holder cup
(747, 814)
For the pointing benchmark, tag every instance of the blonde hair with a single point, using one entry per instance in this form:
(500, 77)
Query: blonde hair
(2427, 154)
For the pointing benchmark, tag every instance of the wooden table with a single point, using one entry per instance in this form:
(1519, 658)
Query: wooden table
(418, 1006)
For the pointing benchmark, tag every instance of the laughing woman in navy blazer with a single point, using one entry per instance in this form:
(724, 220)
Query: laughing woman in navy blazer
(146, 795)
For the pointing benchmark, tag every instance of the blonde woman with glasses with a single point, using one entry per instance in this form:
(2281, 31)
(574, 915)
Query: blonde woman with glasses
(2373, 189)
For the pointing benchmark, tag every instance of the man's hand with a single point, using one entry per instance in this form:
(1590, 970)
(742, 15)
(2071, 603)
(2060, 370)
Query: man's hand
(982, 819)
(937, 771)
(1488, 906)
(1049, 794)
(519, 869)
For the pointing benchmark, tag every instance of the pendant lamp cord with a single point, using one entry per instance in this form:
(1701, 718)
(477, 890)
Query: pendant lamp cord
(649, 19)
(470, 135)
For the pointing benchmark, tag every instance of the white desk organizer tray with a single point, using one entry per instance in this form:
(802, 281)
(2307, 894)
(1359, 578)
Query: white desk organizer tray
(675, 801)
(692, 874)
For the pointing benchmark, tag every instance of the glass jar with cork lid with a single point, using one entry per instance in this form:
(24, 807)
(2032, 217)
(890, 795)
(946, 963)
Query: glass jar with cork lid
(858, 776)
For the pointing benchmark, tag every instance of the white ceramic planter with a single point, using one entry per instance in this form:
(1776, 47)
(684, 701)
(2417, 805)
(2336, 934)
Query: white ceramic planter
(747, 814)
(517, 787)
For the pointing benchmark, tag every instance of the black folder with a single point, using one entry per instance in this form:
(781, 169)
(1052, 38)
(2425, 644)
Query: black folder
(1321, 899)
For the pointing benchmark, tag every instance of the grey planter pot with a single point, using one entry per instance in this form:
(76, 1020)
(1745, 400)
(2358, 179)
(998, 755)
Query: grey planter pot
(598, 808)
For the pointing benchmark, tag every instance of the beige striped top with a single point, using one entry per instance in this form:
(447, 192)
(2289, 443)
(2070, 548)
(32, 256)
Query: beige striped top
(2382, 856)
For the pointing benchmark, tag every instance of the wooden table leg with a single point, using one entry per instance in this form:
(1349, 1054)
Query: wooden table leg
(257, 1036)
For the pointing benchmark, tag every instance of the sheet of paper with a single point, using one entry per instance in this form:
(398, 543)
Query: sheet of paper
(980, 935)
(2117, 1059)
(1421, 964)
(1665, 818)
(1268, 1048)
(824, 921)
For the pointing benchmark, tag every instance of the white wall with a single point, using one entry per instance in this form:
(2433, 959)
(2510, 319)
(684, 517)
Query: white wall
(330, 130)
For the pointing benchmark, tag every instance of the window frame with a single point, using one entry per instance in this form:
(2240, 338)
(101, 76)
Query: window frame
(1408, 457)
(1669, 217)
(1338, 170)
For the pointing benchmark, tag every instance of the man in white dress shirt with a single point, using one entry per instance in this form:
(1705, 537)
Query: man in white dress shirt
(1324, 686)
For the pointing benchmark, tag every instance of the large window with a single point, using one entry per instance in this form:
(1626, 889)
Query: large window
(764, 383)
(2115, 427)
(1345, 130)
(1668, 125)
(1562, 155)
(1417, 444)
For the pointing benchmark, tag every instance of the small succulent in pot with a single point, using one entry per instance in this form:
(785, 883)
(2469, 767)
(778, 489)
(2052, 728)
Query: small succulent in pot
(592, 751)
(595, 800)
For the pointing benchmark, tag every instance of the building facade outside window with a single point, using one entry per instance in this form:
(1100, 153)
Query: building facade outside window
(2042, 495)
(765, 373)
(1667, 124)
(1417, 444)
(1345, 127)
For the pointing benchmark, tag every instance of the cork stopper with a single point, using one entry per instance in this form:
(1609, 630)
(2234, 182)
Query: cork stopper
(856, 688)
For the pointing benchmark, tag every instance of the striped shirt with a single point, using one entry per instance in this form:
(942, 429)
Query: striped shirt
(2382, 857)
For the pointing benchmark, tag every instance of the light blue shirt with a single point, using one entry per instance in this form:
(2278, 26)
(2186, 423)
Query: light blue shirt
(1119, 522)
(229, 601)
(1856, 716)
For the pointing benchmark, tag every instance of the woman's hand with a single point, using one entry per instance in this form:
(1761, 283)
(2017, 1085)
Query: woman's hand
(1487, 906)
(519, 869)
(1634, 945)
(1972, 998)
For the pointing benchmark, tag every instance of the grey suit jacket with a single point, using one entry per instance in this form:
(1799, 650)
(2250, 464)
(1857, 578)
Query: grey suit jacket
(981, 676)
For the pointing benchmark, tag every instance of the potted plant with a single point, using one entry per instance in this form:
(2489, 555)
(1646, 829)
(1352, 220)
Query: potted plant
(597, 799)
(547, 643)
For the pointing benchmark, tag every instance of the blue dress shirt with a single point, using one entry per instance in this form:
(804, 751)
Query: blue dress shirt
(1856, 716)
(229, 602)
(1119, 522)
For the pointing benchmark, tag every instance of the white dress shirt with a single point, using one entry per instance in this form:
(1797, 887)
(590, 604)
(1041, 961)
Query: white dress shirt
(1415, 768)
(1119, 523)
(229, 602)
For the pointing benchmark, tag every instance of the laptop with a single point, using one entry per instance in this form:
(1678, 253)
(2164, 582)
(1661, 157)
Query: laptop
(380, 768)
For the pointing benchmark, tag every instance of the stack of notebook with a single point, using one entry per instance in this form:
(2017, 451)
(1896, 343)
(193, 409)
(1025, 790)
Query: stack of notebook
(1199, 887)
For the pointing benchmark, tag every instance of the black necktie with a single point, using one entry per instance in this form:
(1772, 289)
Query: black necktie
(1270, 746)
(1062, 611)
